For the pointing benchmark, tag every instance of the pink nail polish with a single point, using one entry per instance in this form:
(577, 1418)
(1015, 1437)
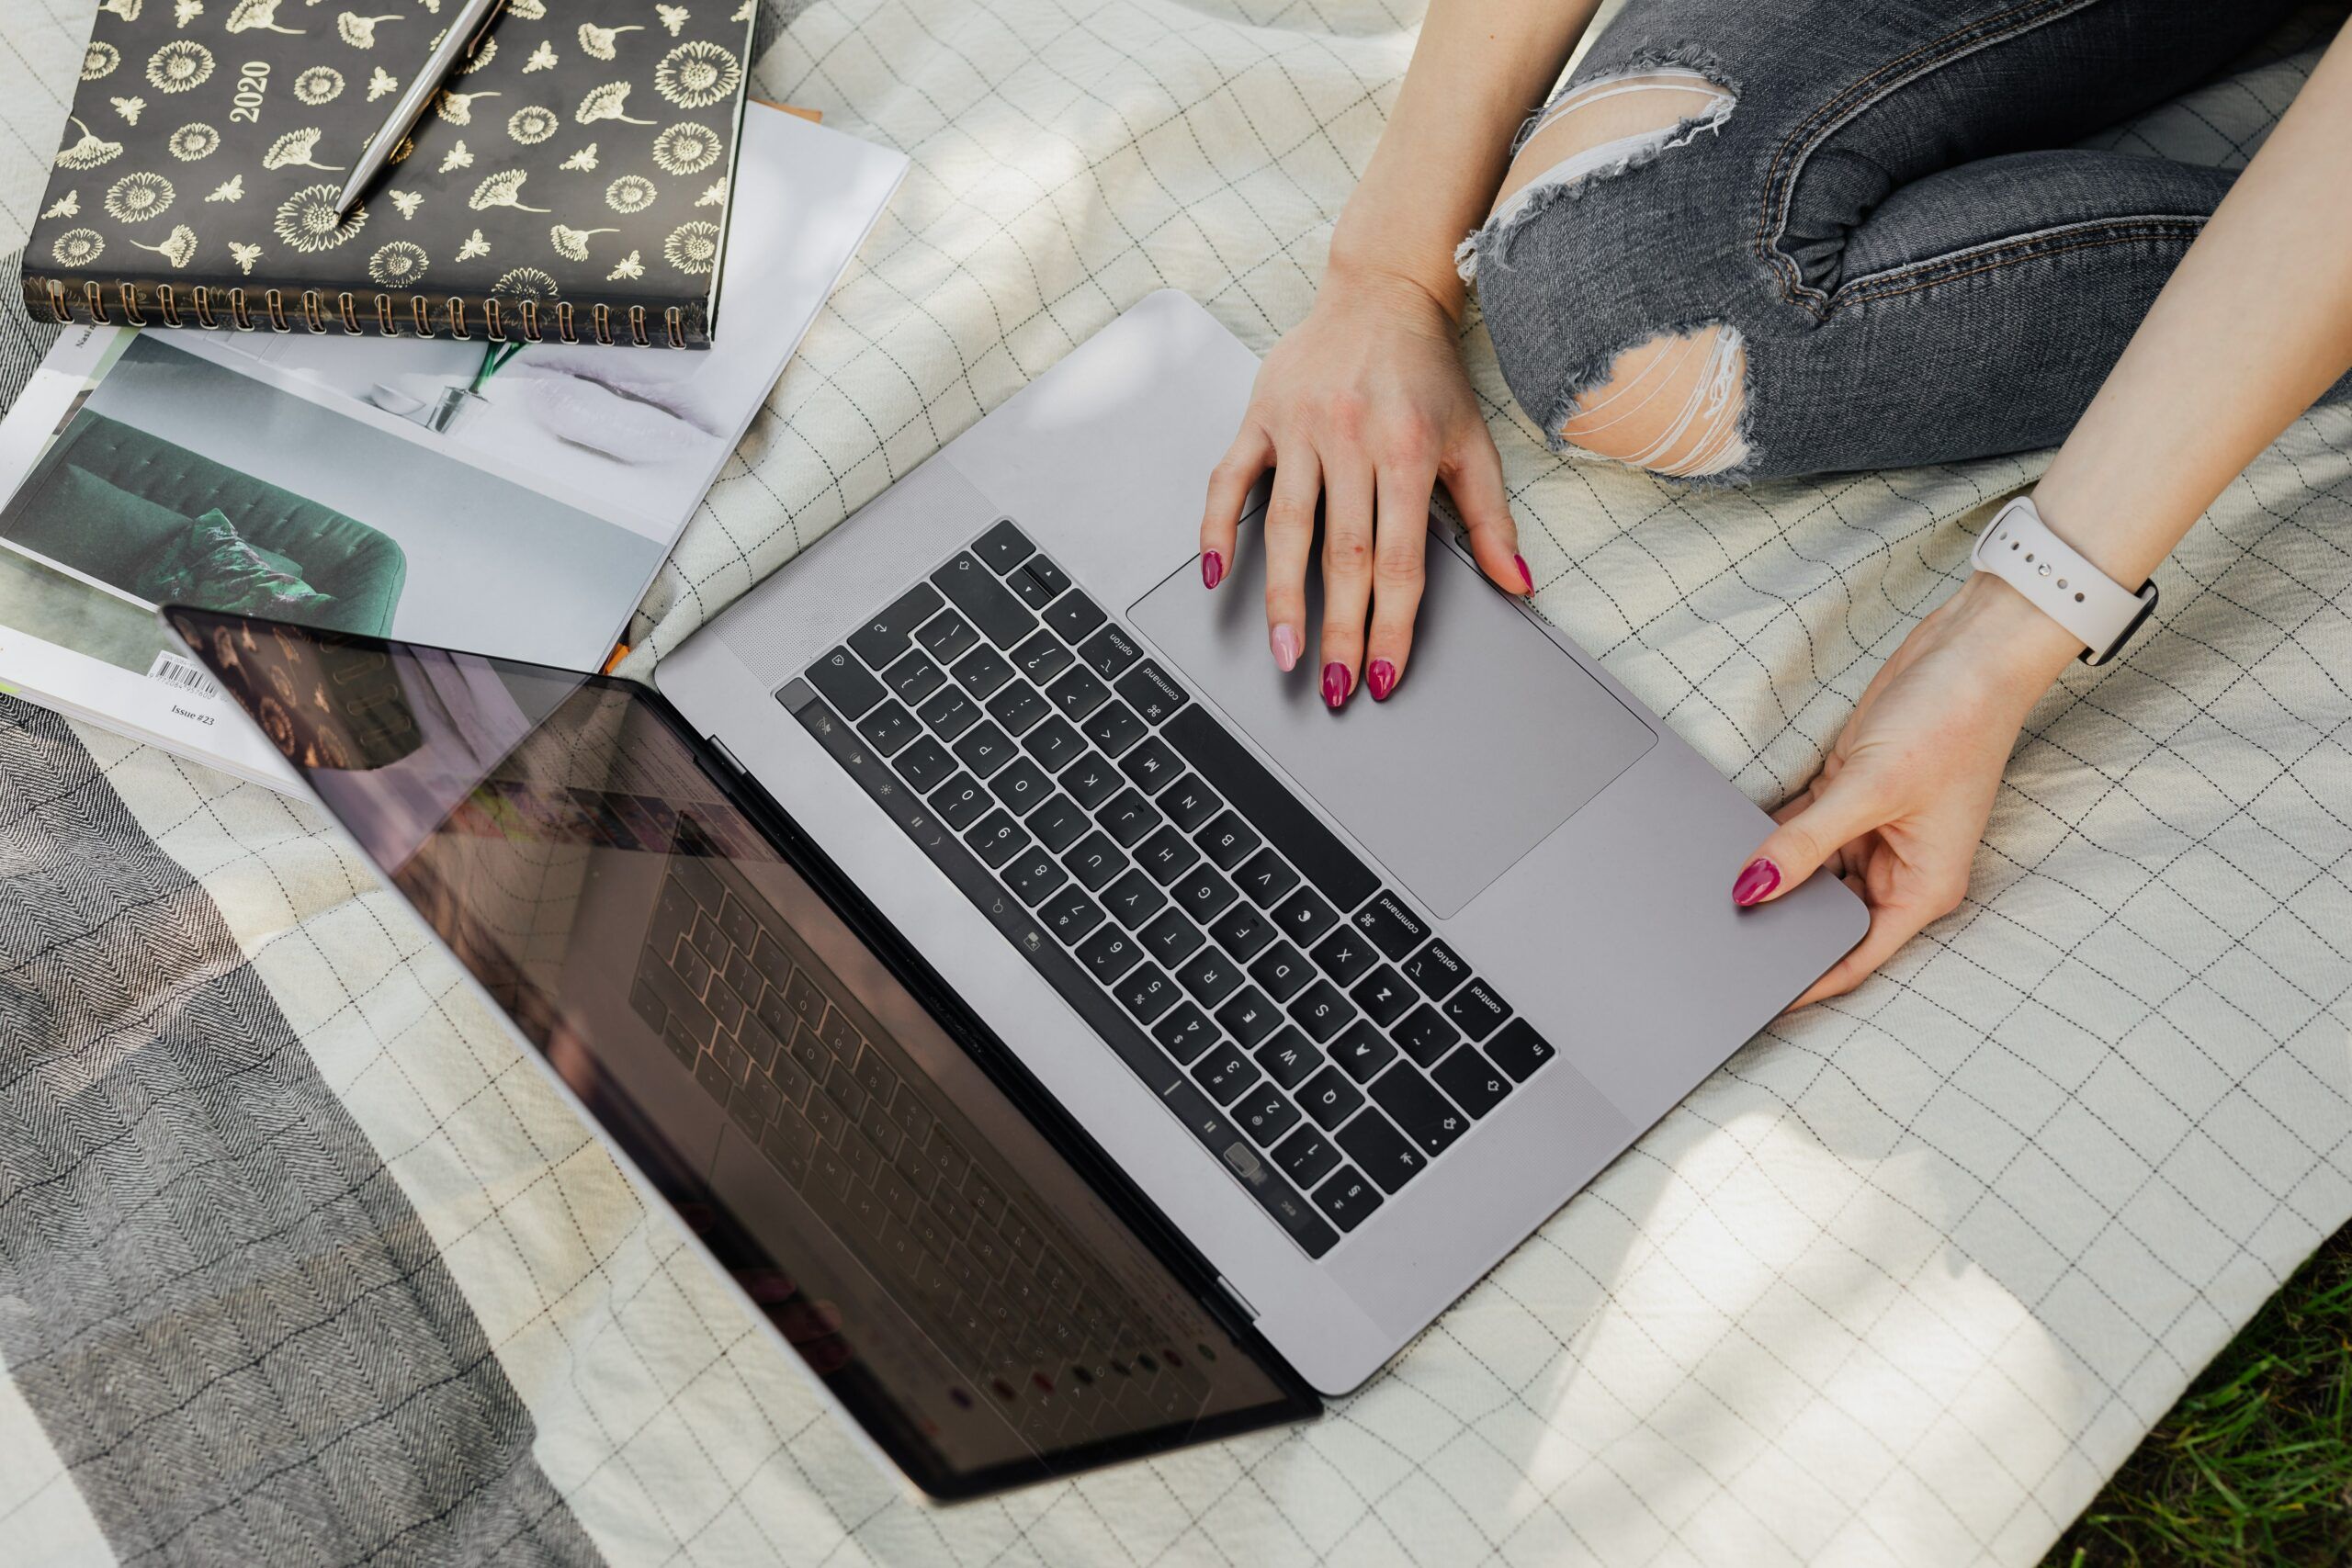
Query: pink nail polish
(1380, 679)
(1526, 577)
(1757, 880)
(1212, 569)
(1335, 685)
(1285, 641)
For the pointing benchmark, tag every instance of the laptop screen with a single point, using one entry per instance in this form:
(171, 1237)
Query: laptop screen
(792, 1080)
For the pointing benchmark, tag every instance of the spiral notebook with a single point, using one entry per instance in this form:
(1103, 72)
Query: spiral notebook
(570, 183)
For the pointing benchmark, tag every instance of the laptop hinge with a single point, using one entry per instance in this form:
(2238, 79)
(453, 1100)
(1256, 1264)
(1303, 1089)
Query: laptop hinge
(1249, 1312)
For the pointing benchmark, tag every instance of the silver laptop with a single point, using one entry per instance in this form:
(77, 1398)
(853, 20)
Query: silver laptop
(1075, 1038)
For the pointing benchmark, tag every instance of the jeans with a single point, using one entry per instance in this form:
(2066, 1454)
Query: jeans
(1862, 240)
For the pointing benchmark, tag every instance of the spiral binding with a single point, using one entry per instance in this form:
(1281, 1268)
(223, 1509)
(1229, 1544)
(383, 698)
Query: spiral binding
(312, 311)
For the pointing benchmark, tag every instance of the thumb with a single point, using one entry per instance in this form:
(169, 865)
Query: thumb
(1474, 477)
(1836, 814)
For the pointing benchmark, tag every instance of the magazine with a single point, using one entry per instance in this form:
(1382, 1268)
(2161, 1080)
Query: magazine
(510, 499)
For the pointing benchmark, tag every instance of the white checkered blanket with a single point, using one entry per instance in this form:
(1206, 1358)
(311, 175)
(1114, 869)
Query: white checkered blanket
(300, 1261)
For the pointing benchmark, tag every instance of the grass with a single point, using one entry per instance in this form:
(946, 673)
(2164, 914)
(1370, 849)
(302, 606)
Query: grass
(2253, 1466)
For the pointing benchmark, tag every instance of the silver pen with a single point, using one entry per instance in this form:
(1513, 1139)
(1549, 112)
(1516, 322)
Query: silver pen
(466, 31)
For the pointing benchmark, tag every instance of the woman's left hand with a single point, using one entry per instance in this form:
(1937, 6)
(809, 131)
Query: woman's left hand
(1901, 802)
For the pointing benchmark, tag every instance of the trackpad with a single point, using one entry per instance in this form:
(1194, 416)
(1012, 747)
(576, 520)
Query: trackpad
(1495, 738)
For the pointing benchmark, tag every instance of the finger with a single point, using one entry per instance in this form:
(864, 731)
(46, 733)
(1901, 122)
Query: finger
(1229, 484)
(1891, 926)
(1474, 477)
(1347, 574)
(1289, 536)
(1399, 555)
(1838, 812)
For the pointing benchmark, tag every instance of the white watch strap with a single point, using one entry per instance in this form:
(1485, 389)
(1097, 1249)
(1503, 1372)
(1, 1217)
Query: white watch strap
(2019, 547)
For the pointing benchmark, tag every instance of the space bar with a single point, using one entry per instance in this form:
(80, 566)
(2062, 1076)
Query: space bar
(1271, 807)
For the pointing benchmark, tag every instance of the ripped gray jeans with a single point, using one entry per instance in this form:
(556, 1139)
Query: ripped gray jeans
(1755, 238)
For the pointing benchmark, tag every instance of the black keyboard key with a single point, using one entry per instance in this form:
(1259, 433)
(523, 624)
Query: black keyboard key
(1348, 1198)
(1381, 1151)
(1290, 1058)
(996, 839)
(949, 713)
(1151, 765)
(1383, 994)
(1020, 707)
(1519, 1050)
(988, 603)
(1273, 1193)
(1224, 1073)
(843, 683)
(1030, 590)
(1150, 692)
(1033, 875)
(1108, 953)
(961, 802)
(1042, 656)
(1128, 818)
(947, 637)
(1320, 1010)
(925, 764)
(1346, 956)
(1167, 855)
(1091, 781)
(1095, 861)
(1078, 694)
(1305, 916)
(1249, 1017)
(1188, 802)
(1073, 616)
(1043, 569)
(1305, 1157)
(1424, 1036)
(1476, 1010)
(1241, 932)
(1329, 864)
(1391, 925)
(1022, 786)
(1146, 992)
(1429, 1120)
(889, 727)
(1071, 915)
(1283, 970)
(1055, 745)
(885, 637)
(983, 673)
(1134, 900)
(985, 749)
(1171, 939)
(1185, 1032)
(1361, 1051)
(1003, 546)
(913, 678)
(1209, 975)
(1265, 1114)
(1202, 894)
(1228, 841)
(1330, 1097)
(1113, 726)
(1436, 969)
(1110, 651)
(1265, 878)
(1058, 823)
(1476, 1084)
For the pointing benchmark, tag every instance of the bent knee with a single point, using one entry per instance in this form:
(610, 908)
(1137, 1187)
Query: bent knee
(1675, 404)
(1605, 127)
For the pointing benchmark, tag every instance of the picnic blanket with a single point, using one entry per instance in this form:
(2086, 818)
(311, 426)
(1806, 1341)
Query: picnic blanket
(300, 1261)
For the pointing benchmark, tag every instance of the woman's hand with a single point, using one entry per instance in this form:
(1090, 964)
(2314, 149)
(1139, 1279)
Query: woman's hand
(1364, 403)
(1902, 800)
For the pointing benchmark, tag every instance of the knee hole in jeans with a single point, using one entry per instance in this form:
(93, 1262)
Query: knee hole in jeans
(1673, 405)
(1606, 126)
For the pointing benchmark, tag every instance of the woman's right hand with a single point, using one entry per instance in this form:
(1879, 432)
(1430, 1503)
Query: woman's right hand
(1365, 404)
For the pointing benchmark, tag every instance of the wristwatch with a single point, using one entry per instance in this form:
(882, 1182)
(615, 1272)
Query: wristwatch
(2019, 547)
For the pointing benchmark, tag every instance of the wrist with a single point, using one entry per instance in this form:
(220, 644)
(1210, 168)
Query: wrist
(2011, 635)
(1378, 277)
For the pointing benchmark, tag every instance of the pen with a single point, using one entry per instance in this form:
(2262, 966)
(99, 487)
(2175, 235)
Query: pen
(466, 31)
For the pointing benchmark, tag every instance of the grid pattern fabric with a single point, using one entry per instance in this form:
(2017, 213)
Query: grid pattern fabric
(1902, 1283)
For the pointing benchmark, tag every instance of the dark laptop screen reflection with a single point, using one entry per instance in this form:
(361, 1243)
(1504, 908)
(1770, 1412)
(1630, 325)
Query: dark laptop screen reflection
(931, 1255)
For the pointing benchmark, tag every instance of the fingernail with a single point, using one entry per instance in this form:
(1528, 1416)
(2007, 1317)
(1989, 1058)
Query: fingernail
(1286, 649)
(1335, 685)
(1526, 577)
(1212, 569)
(1757, 880)
(1380, 679)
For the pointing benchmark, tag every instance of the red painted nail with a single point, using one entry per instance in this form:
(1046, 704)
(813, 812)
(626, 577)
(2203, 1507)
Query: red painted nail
(1380, 679)
(1757, 880)
(1335, 685)
(1526, 577)
(1212, 569)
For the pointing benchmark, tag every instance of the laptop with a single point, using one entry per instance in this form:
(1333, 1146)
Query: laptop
(1074, 1039)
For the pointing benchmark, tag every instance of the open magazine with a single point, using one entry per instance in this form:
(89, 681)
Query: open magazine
(512, 499)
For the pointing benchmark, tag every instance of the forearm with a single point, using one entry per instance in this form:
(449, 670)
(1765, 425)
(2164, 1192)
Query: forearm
(1481, 67)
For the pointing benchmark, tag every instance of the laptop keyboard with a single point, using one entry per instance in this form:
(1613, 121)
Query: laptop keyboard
(1297, 1015)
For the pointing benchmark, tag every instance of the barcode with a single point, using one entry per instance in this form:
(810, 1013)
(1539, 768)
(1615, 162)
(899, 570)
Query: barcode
(173, 671)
